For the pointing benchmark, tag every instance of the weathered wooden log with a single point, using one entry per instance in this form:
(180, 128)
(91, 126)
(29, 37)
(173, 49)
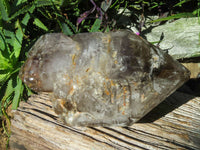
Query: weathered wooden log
(174, 124)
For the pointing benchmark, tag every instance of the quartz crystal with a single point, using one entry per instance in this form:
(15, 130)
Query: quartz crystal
(101, 79)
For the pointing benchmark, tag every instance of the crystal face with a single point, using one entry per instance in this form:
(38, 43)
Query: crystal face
(101, 79)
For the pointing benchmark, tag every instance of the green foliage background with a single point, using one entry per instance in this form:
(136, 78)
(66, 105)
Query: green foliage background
(22, 22)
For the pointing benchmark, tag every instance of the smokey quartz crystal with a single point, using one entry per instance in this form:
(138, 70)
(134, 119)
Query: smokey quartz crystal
(101, 79)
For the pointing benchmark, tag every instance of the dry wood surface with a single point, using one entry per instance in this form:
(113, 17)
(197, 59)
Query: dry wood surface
(174, 124)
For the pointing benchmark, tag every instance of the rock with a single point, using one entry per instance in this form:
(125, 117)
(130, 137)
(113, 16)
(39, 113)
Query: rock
(102, 79)
(181, 37)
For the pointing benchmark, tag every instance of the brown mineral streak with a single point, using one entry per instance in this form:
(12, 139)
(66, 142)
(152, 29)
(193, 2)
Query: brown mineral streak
(73, 59)
(108, 79)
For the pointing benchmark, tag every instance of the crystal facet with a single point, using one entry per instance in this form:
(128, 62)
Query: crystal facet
(102, 79)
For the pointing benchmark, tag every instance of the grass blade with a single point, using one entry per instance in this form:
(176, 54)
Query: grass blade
(176, 16)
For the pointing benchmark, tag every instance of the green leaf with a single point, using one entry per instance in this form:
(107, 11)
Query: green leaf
(10, 37)
(3, 78)
(9, 89)
(2, 42)
(96, 25)
(8, 93)
(39, 24)
(20, 2)
(195, 12)
(105, 5)
(26, 19)
(107, 29)
(4, 63)
(4, 6)
(70, 24)
(20, 34)
(18, 39)
(23, 10)
(66, 30)
(18, 91)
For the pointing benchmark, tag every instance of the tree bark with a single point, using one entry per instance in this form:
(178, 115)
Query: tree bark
(174, 124)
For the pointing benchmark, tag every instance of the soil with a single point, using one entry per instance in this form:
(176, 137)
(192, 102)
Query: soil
(3, 137)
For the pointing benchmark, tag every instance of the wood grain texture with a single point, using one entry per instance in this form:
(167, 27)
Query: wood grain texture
(194, 69)
(174, 124)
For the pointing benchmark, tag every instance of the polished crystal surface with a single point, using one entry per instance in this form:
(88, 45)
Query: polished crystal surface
(102, 79)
